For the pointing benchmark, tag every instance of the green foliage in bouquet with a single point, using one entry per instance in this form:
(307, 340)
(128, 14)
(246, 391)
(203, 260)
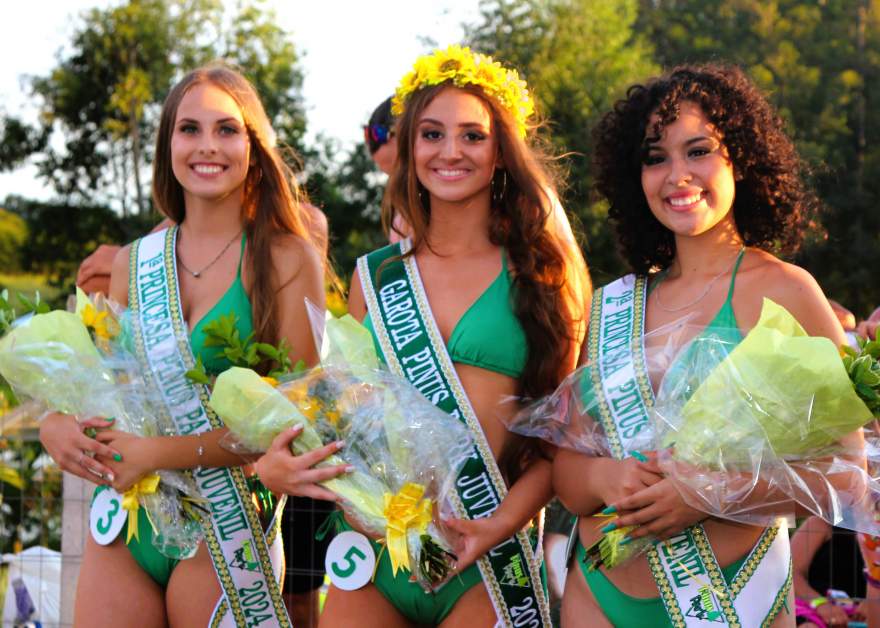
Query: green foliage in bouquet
(864, 372)
(9, 311)
(223, 334)
(354, 403)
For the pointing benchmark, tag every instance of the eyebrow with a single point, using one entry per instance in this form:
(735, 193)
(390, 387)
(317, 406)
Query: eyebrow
(478, 125)
(652, 142)
(221, 121)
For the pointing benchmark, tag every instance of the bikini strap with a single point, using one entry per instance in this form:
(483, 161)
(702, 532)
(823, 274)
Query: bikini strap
(739, 259)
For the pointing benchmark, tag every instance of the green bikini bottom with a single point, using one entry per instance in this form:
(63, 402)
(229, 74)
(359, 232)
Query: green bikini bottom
(144, 551)
(626, 611)
(409, 598)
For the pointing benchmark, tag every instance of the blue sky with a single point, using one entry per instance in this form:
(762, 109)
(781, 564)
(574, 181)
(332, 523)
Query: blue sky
(354, 53)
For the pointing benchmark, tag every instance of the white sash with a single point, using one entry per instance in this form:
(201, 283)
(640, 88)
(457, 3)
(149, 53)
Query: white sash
(413, 348)
(247, 568)
(689, 579)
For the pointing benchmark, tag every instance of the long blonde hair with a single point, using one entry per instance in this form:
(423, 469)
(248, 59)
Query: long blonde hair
(272, 204)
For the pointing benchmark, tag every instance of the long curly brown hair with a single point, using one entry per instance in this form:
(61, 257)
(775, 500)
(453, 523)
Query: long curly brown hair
(549, 290)
(772, 205)
(273, 202)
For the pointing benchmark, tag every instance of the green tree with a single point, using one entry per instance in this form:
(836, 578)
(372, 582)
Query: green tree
(18, 141)
(13, 235)
(577, 56)
(60, 236)
(105, 96)
(818, 62)
(349, 192)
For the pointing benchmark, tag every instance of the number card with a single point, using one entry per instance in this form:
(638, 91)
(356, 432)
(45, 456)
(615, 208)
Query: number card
(107, 517)
(350, 560)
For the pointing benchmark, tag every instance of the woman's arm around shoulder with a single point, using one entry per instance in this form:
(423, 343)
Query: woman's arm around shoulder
(119, 276)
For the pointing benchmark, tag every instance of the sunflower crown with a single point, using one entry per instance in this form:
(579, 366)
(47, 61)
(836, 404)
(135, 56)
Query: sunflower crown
(461, 66)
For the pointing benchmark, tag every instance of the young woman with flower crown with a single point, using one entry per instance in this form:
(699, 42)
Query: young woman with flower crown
(704, 185)
(238, 245)
(484, 301)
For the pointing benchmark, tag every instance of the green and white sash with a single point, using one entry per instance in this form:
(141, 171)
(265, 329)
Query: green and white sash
(691, 584)
(413, 348)
(242, 556)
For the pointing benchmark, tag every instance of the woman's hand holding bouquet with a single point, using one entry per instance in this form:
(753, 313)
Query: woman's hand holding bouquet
(80, 363)
(743, 431)
(404, 454)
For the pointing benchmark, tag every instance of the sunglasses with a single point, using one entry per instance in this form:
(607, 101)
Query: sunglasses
(376, 135)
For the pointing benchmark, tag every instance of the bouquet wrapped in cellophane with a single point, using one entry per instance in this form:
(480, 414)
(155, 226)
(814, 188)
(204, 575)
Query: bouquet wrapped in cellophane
(772, 421)
(81, 363)
(746, 427)
(406, 453)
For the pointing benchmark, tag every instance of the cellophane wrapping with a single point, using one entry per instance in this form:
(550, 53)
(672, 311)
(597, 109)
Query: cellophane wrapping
(747, 427)
(751, 430)
(406, 453)
(81, 363)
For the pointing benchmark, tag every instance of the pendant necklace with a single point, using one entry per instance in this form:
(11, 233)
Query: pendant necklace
(709, 285)
(198, 273)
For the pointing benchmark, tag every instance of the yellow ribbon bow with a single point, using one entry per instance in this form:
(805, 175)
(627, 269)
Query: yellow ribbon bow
(403, 511)
(130, 501)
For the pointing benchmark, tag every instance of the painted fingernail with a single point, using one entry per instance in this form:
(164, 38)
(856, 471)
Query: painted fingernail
(340, 444)
(625, 540)
(117, 457)
(610, 510)
(608, 528)
(639, 456)
(296, 427)
(109, 419)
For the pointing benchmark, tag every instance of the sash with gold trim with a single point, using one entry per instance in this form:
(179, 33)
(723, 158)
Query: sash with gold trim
(413, 348)
(241, 553)
(688, 576)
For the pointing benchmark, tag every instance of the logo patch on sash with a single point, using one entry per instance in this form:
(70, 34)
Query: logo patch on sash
(515, 574)
(245, 559)
(703, 607)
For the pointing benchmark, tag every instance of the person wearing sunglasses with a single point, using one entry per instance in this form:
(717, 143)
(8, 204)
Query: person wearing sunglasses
(381, 142)
(379, 137)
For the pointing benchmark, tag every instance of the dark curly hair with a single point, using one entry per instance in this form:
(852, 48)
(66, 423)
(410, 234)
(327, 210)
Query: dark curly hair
(772, 205)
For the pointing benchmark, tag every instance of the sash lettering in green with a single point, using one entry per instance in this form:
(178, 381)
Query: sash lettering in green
(413, 348)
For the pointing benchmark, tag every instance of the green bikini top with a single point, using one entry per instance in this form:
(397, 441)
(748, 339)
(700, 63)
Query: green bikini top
(234, 300)
(488, 335)
(723, 331)
(722, 327)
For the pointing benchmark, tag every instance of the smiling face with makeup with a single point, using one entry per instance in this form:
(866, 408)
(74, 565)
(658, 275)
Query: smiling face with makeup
(210, 148)
(687, 176)
(456, 148)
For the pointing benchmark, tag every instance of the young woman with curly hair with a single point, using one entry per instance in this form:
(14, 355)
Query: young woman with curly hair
(493, 277)
(704, 190)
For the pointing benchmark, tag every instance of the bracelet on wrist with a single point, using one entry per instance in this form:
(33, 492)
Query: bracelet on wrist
(200, 450)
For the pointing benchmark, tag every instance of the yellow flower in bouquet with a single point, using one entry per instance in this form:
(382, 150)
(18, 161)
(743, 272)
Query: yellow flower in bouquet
(404, 450)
